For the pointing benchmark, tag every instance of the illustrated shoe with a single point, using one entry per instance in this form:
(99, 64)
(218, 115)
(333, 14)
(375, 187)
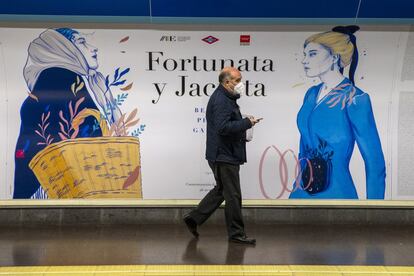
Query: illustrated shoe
(191, 225)
(243, 240)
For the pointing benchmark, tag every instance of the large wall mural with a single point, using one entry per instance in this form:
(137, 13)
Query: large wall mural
(335, 114)
(70, 143)
(121, 113)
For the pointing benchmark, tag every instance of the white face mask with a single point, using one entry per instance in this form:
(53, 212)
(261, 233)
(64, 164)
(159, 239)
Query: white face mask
(240, 88)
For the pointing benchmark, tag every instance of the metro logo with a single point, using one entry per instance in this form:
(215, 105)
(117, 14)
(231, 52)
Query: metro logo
(210, 39)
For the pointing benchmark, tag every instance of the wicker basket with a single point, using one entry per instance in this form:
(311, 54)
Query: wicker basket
(101, 167)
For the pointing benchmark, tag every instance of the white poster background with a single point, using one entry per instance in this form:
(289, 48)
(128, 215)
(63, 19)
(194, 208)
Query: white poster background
(173, 142)
(5, 189)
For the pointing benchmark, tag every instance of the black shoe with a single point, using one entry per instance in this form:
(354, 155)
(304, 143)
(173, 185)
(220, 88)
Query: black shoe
(243, 240)
(191, 225)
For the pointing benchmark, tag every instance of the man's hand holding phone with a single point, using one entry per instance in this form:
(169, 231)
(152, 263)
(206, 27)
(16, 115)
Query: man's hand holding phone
(254, 120)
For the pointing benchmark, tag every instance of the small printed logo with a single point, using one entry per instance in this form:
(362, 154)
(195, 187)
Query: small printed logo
(183, 38)
(169, 38)
(244, 40)
(174, 38)
(210, 39)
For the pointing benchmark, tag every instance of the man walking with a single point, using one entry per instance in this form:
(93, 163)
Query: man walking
(225, 152)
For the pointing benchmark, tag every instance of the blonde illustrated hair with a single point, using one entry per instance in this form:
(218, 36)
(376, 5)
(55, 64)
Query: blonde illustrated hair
(340, 41)
(336, 43)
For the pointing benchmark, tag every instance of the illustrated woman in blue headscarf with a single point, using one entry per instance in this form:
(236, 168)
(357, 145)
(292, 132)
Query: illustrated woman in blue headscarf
(335, 114)
(62, 78)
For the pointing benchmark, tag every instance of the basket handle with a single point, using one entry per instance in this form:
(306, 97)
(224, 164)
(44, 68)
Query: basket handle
(86, 112)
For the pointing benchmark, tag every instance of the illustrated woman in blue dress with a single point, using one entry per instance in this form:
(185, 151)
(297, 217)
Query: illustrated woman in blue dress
(335, 114)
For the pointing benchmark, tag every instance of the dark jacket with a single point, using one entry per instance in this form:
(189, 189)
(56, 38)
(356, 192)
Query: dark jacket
(226, 129)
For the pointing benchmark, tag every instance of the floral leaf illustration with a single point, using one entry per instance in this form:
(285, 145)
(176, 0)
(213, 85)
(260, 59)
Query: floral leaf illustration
(124, 72)
(63, 137)
(333, 93)
(132, 115)
(33, 97)
(121, 119)
(138, 131)
(332, 99)
(133, 123)
(298, 84)
(131, 178)
(62, 128)
(38, 133)
(351, 96)
(116, 73)
(112, 130)
(72, 88)
(119, 100)
(119, 125)
(81, 85)
(75, 133)
(336, 102)
(107, 81)
(78, 103)
(119, 83)
(124, 39)
(63, 118)
(47, 116)
(42, 130)
(128, 87)
(71, 109)
(341, 87)
(343, 103)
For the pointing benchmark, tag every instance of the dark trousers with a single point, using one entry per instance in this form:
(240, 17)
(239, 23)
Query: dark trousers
(227, 189)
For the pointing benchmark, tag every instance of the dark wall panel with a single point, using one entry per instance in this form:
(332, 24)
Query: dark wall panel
(77, 7)
(257, 8)
(214, 8)
(386, 9)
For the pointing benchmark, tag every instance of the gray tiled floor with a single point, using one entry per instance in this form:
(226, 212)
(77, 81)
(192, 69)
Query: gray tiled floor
(172, 244)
